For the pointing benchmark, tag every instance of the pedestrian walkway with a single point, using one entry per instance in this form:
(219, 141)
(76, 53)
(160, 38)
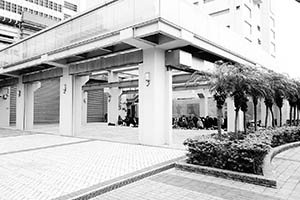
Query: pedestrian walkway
(122, 134)
(51, 167)
(175, 184)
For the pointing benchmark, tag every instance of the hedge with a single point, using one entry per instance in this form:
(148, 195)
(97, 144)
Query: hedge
(245, 154)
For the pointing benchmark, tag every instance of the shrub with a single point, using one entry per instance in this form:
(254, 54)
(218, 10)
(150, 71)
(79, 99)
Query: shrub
(284, 135)
(242, 155)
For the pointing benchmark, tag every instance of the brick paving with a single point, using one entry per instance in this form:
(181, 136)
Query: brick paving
(38, 166)
(122, 133)
(176, 184)
(49, 167)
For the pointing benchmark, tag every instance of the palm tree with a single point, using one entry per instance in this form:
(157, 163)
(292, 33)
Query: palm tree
(257, 89)
(218, 85)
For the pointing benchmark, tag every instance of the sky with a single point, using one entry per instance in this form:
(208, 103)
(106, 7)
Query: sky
(288, 36)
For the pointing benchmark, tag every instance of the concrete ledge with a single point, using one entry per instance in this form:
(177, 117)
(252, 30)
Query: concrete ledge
(237, 176)
(267, 166)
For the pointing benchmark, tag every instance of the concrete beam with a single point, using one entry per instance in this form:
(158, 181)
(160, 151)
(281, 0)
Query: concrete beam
(52, 73)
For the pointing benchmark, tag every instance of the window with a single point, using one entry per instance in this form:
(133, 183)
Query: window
(259, 41)
(70, 6)
(273, 48)
(66, 16)
(36, 12)
(19, 9)
(248, 29)
(25, 9)
(273, 34)
(2, 4)
(222, 12)
(40, 14)
(14, 8)
(7, 6)
(272, 21)
(51, 5)
(30, 11)
(258, 28)
(36, 1)
(248, 12)
(207, 1)
(59, 7)
(41, 2)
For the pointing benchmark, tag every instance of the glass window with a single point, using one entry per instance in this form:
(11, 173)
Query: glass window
(1, 4)
(248, 12)
(248, 29)
(14, 8)
(7, 6)
(273, 34)
(19, 9)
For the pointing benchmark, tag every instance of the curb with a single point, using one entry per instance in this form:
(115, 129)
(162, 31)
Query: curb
(267, 166)
(116, 183)
(237, 176)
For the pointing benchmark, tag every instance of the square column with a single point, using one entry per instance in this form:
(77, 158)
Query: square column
(72, 103)
(79, 104)
(204, 106)
(113, 100)
(20, 105)
(155, 99)
(29, 90)
(66, 103)
(4, 106)
(231, 117)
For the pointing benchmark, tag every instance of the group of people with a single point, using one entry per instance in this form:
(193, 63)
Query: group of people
(196, 122)
(128, 121)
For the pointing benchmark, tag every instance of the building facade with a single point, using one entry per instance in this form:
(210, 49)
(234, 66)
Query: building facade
(20, 18)
(144, 48)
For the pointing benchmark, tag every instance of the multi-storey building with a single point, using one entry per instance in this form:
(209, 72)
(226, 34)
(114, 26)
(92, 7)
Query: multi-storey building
(253, 19)
(20, 18)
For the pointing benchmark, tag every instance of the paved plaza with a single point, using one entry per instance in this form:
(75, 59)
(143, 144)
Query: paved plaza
(40, 167)
(180, 185)
(43, 166)
(121, 134)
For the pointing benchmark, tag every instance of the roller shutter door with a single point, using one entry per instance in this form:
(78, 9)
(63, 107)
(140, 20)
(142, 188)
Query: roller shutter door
(13, 104)
(96, 106)
(46, 102)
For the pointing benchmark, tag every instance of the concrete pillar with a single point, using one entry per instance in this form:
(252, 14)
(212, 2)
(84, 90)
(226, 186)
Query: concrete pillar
(20, 105)
(84, 108)
(204, 106)
(72, 106)
(231, 117)
(155, 99)
(29, 90)
(78, 103)
(113, 100)
(66, 103)
(285, 112)
(4, 106)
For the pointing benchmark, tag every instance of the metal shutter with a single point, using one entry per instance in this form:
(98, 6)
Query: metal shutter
(96, 106)
(46, 102)
(13, 105)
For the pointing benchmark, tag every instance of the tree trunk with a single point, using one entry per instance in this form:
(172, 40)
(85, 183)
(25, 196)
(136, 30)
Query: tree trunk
(266, 119)
(272, 115)
(245, 124)
(236, 122)
(255, 116)
(294, 116)
(291, 114)
(280, 116)
(297, 116)
(220, 113)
